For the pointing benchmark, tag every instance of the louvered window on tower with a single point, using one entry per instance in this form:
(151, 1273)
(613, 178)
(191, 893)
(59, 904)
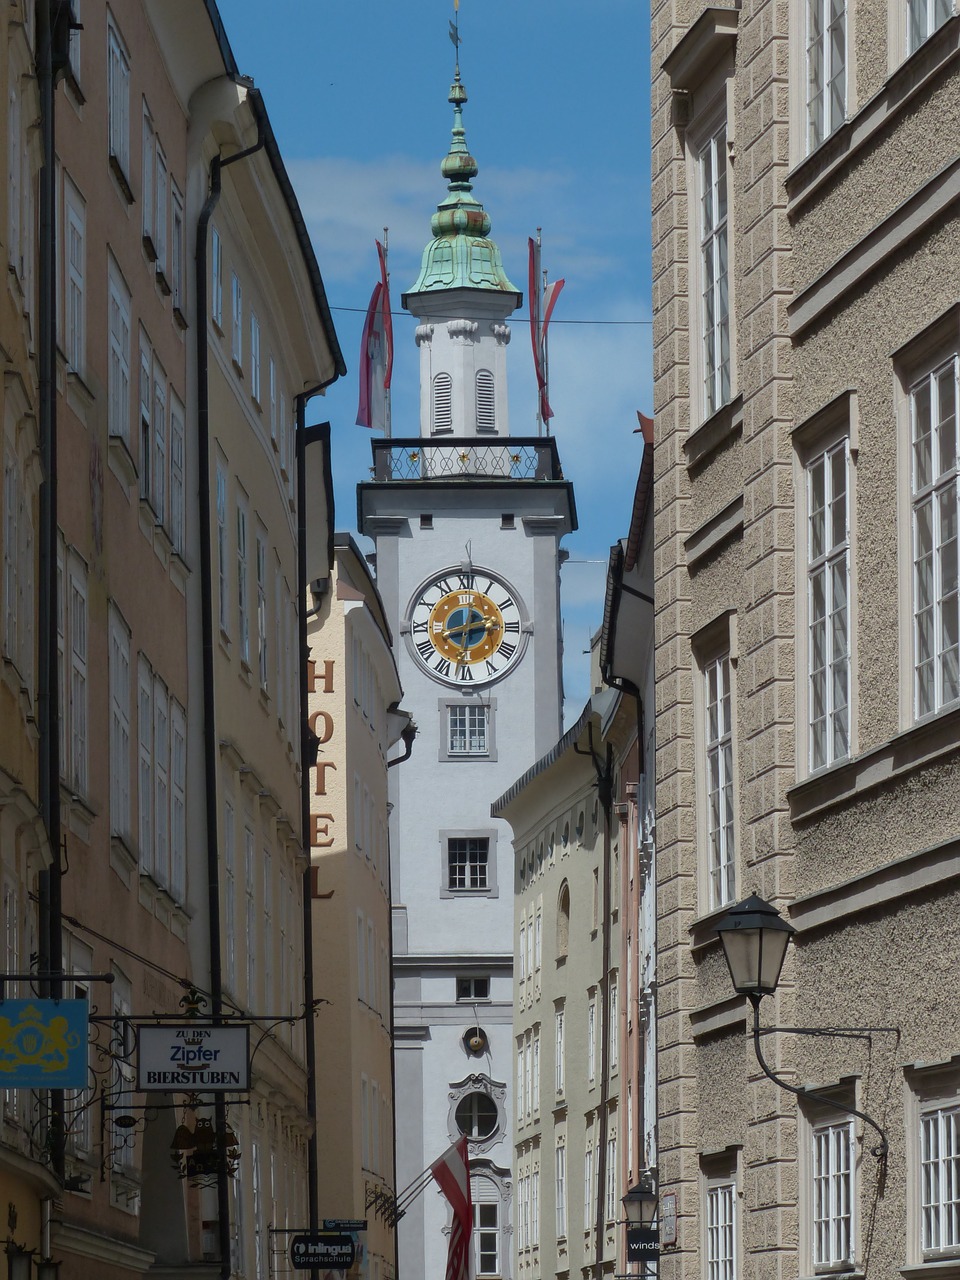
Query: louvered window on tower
(486, 403)
(443, 402)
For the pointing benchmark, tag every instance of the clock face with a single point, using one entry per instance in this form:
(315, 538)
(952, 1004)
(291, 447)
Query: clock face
(466, 627)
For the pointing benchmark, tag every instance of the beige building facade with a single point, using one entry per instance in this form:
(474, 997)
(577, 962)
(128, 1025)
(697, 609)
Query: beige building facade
(353, 708)
(174, 628)
(806, 356)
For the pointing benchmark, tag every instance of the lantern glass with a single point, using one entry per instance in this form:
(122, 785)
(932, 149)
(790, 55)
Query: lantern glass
(755, 938)
(640, 1205)
(47, 1269)
(18, 1262)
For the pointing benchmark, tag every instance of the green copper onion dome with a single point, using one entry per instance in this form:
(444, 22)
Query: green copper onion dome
(460, 255)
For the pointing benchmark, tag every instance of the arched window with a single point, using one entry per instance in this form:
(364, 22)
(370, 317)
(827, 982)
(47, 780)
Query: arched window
(563, 921)
(486, 401)
(442, 416)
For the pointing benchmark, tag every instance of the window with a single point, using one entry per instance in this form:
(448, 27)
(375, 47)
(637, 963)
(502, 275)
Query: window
(159, 468)
(826, 68)
(610, 1176)
(442, 415)
(714, 283)
(145, 763)
(230, 895)
(73, 276)
(74, 52)
(563, 921)
(243, 606)
(262, 608)
(718, 753)
(160, 224)
(148, 165)
(216, 279)
(146, 431)
(161, 780)
(119, 681)
(828, 602)
(560, 1187)
(940, 1180)
(467, 862)
(176, 246)
(473, 989)
(535, 1208)
(923, 19)
(477, 1115)
(118, 101)
(592, 1038)
(486, 401)
(250, 923)
(468, 729)
(721, 1258)
(236, 349)
(614, 1033)
(520, 1098)
(486, 1228)
(535, 1070)
(272, 377)
(18, 571)
(933, 429)
(177, 448)
(560, 1050)
(118, 375)
(76, 766)
(833, 1196)
(588, 1176)
(222, 545)
(178, 805)
(254, 357)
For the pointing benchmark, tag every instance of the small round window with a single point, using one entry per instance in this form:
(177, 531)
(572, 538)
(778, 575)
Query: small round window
(476, 1115)
(566, 834)
(580, 825)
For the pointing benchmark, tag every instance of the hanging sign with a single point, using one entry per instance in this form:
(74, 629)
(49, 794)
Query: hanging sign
(43, 1044)
(331, 1250)
(193, 1057)
(643, 1244)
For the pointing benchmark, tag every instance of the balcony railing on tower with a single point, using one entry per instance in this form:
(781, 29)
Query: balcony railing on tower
(466, 457)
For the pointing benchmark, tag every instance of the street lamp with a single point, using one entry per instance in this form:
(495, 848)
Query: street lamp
(640, 1206)
(755, 938)
(19, 1258)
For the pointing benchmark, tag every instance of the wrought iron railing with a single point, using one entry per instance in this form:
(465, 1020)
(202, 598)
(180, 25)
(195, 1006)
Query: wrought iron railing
(466, 457)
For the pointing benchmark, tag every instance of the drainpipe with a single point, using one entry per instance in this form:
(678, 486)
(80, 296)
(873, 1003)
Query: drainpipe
(211, 747)
(51, 34)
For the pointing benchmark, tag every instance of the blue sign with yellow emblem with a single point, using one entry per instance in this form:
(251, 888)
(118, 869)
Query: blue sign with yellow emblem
(43, 1044)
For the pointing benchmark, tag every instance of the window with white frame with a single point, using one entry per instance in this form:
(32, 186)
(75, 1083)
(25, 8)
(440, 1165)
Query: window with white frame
(714, 270)
(828, 604)
(254, 357)
(936, 601)
(521, 1081)
(18, 569)
(118, 100)
(119, 677)
(161, 780)
(721, 1258)
(146, 418)
(118, 374)
(74, 768)
(467, 726)
(718, 779)
(486, 1227)
(250, 914)
(924, 17)
(833, 1194)
(145, 763)
(15, 191)
(940, 1180)
(262, 655)
(148, 162)
(614, 1021)
(588, 1177)
(178, 802)
(177, 462)
(592, 1038)
(243, 602)
(610, 1200)
(74, 269)
(230, 895)
(236, 293)
(161, 220)
(560, 1186)
(272, 391)
(826, 68)
(159, 485)
(223, 587)
(560, 1049)
(535, 1208)
(176, 247)
(216, 279)
(535, 1070)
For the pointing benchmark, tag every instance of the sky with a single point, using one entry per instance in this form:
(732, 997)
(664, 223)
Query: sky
(557, 119)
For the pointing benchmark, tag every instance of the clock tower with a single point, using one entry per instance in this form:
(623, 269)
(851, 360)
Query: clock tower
(467, 521)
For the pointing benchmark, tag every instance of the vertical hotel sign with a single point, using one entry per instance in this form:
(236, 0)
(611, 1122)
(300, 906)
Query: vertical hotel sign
(43, 1044)
(323, 823)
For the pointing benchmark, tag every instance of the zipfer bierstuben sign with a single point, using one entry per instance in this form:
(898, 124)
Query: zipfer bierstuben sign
(194, 1057)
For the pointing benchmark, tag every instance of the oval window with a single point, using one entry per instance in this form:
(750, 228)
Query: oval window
(476, 1115)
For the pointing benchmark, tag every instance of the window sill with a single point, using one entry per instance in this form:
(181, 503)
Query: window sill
(116, 168)
(941, 1269)
(179, 317)
(163, 284)
(120, 461)
(149, 248)
(723, 426)
(846, 783)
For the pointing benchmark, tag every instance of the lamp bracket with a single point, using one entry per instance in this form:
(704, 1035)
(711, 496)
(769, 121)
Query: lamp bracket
(842, 1033)
(881, 1148)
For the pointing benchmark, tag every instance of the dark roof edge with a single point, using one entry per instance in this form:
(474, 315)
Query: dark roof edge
(558, 749)
(349, 543)
(287, 191)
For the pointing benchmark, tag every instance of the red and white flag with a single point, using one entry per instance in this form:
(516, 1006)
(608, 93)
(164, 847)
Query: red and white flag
(538, 326)
(452, 1174)
(376, 354)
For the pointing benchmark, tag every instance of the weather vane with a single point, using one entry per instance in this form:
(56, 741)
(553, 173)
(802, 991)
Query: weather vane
(455, 31)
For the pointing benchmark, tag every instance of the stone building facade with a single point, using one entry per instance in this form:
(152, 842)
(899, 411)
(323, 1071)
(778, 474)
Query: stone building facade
(806, 354)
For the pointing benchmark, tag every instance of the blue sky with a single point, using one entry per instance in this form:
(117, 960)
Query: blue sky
(558, 121)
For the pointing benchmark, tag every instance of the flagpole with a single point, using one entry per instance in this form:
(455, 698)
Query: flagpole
(387, 422)
(544, 358)
(535, 312)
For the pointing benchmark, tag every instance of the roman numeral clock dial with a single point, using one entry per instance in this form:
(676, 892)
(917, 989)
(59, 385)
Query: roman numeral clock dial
(465, 628)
